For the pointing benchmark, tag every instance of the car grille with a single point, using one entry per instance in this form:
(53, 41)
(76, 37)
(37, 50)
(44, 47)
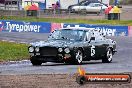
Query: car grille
(48, 51)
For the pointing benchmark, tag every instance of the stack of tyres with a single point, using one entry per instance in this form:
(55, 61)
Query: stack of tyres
(113, 13)
(32, 10)
(114, 16)
(31, 13)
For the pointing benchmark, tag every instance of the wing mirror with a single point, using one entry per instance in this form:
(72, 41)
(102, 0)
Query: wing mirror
(92, 38)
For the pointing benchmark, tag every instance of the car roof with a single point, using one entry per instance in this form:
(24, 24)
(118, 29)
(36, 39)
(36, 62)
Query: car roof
(99, 3)
(78, 28)
(95, 3)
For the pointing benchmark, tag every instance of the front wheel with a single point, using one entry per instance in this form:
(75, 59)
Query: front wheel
(35, 62)
(108, 56)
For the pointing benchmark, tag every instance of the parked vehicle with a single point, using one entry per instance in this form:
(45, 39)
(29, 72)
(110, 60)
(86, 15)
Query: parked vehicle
(85, 2)
(72, 45)
(92, 7)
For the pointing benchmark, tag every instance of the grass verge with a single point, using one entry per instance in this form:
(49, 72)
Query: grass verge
(69, 20)
(10, 51)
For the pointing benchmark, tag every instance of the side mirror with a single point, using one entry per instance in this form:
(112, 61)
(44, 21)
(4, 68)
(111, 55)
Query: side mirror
(92, 38)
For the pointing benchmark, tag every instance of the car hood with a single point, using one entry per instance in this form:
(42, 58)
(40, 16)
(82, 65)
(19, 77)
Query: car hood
(55, 43)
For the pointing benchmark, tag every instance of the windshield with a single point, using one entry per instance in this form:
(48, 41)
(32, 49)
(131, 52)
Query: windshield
(77, 35)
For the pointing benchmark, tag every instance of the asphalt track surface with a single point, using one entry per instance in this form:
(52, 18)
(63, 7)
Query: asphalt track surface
(122, 60)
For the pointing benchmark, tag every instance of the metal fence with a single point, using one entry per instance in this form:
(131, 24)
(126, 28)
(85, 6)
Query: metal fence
(63, 13)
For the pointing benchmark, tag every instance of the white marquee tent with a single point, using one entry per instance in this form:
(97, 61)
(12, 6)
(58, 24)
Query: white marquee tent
(63, 3)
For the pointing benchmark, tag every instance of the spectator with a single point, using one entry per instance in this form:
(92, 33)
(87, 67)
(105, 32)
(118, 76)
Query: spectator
(57, 5)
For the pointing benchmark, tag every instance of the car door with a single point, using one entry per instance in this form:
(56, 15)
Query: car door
(76, 8)
(93, 8)
(82, 7)
(87, 46)
(89, 7)
(98, 48)
(94, 47)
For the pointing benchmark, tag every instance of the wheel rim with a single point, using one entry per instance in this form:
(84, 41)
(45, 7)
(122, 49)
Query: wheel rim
(109, 55)
(79, 56)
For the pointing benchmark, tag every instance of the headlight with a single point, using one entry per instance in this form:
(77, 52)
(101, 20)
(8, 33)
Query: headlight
(31, 49)
(67, 50)
(60, 49)
(37, 49)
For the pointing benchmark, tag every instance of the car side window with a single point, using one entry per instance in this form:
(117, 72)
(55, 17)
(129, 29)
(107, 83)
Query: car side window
(88, 36)
(100, 5)
(85, 37)
(97, 5)
(91, 5)
(98, 36)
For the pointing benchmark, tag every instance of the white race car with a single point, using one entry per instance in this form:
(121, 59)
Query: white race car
(92, 7)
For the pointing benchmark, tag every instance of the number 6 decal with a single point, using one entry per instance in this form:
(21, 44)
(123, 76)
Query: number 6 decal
(92, 50)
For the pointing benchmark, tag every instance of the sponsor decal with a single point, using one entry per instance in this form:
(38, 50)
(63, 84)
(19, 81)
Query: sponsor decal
(113, 78)
(45, 27)
(20, 26)
(1, 25)
(25, 27)
(92, 50)
(105, 29)
(55, 26)
(130, 31)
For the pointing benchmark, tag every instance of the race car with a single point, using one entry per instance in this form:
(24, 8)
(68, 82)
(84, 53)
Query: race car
(92, 7)
(72, 46)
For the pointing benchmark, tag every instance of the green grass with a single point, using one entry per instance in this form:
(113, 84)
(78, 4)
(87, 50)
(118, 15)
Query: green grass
(62, 20)
(10, 51)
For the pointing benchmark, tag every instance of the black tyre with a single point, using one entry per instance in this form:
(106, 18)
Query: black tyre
(35, 62)
(69, 9)
(81, 80)
(108, 56)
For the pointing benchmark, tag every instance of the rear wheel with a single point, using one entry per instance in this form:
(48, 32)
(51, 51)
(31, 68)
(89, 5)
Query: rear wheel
(108, 56)
(69, 9)
(35, 62)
